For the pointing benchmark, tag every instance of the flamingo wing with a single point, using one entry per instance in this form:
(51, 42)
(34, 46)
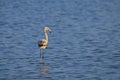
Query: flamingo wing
(42, 43)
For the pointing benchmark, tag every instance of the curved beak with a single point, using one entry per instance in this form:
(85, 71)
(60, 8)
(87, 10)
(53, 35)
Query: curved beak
(50, 30)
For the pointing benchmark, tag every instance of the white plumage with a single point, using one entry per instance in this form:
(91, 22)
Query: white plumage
(43, 43)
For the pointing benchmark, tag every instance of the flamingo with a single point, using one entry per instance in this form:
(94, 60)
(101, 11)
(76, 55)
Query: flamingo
(43, 43)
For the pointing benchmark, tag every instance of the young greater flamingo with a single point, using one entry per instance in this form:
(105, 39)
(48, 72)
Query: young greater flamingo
(43, 43)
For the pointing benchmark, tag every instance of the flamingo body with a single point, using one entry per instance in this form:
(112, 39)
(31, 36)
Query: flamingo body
(43, 43)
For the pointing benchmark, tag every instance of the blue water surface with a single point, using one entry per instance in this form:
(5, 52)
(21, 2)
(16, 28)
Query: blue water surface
(84, 43)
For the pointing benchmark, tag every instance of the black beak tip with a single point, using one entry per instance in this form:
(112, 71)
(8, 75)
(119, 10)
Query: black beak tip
(50, 31)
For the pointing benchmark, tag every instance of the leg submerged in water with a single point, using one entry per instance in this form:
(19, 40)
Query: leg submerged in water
(41, 53)
(41, 56)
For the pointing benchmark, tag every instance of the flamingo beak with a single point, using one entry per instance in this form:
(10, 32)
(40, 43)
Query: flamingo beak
(50, 30)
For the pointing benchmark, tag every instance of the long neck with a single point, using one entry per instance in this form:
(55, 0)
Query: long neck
(46, 36)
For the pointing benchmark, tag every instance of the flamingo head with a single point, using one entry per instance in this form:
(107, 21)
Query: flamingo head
(47, 29)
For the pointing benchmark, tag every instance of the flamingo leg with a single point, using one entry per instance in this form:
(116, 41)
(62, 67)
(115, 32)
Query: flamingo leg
(41, 56)
(40, 53)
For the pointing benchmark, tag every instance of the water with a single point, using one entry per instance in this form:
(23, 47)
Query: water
(84, 44)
